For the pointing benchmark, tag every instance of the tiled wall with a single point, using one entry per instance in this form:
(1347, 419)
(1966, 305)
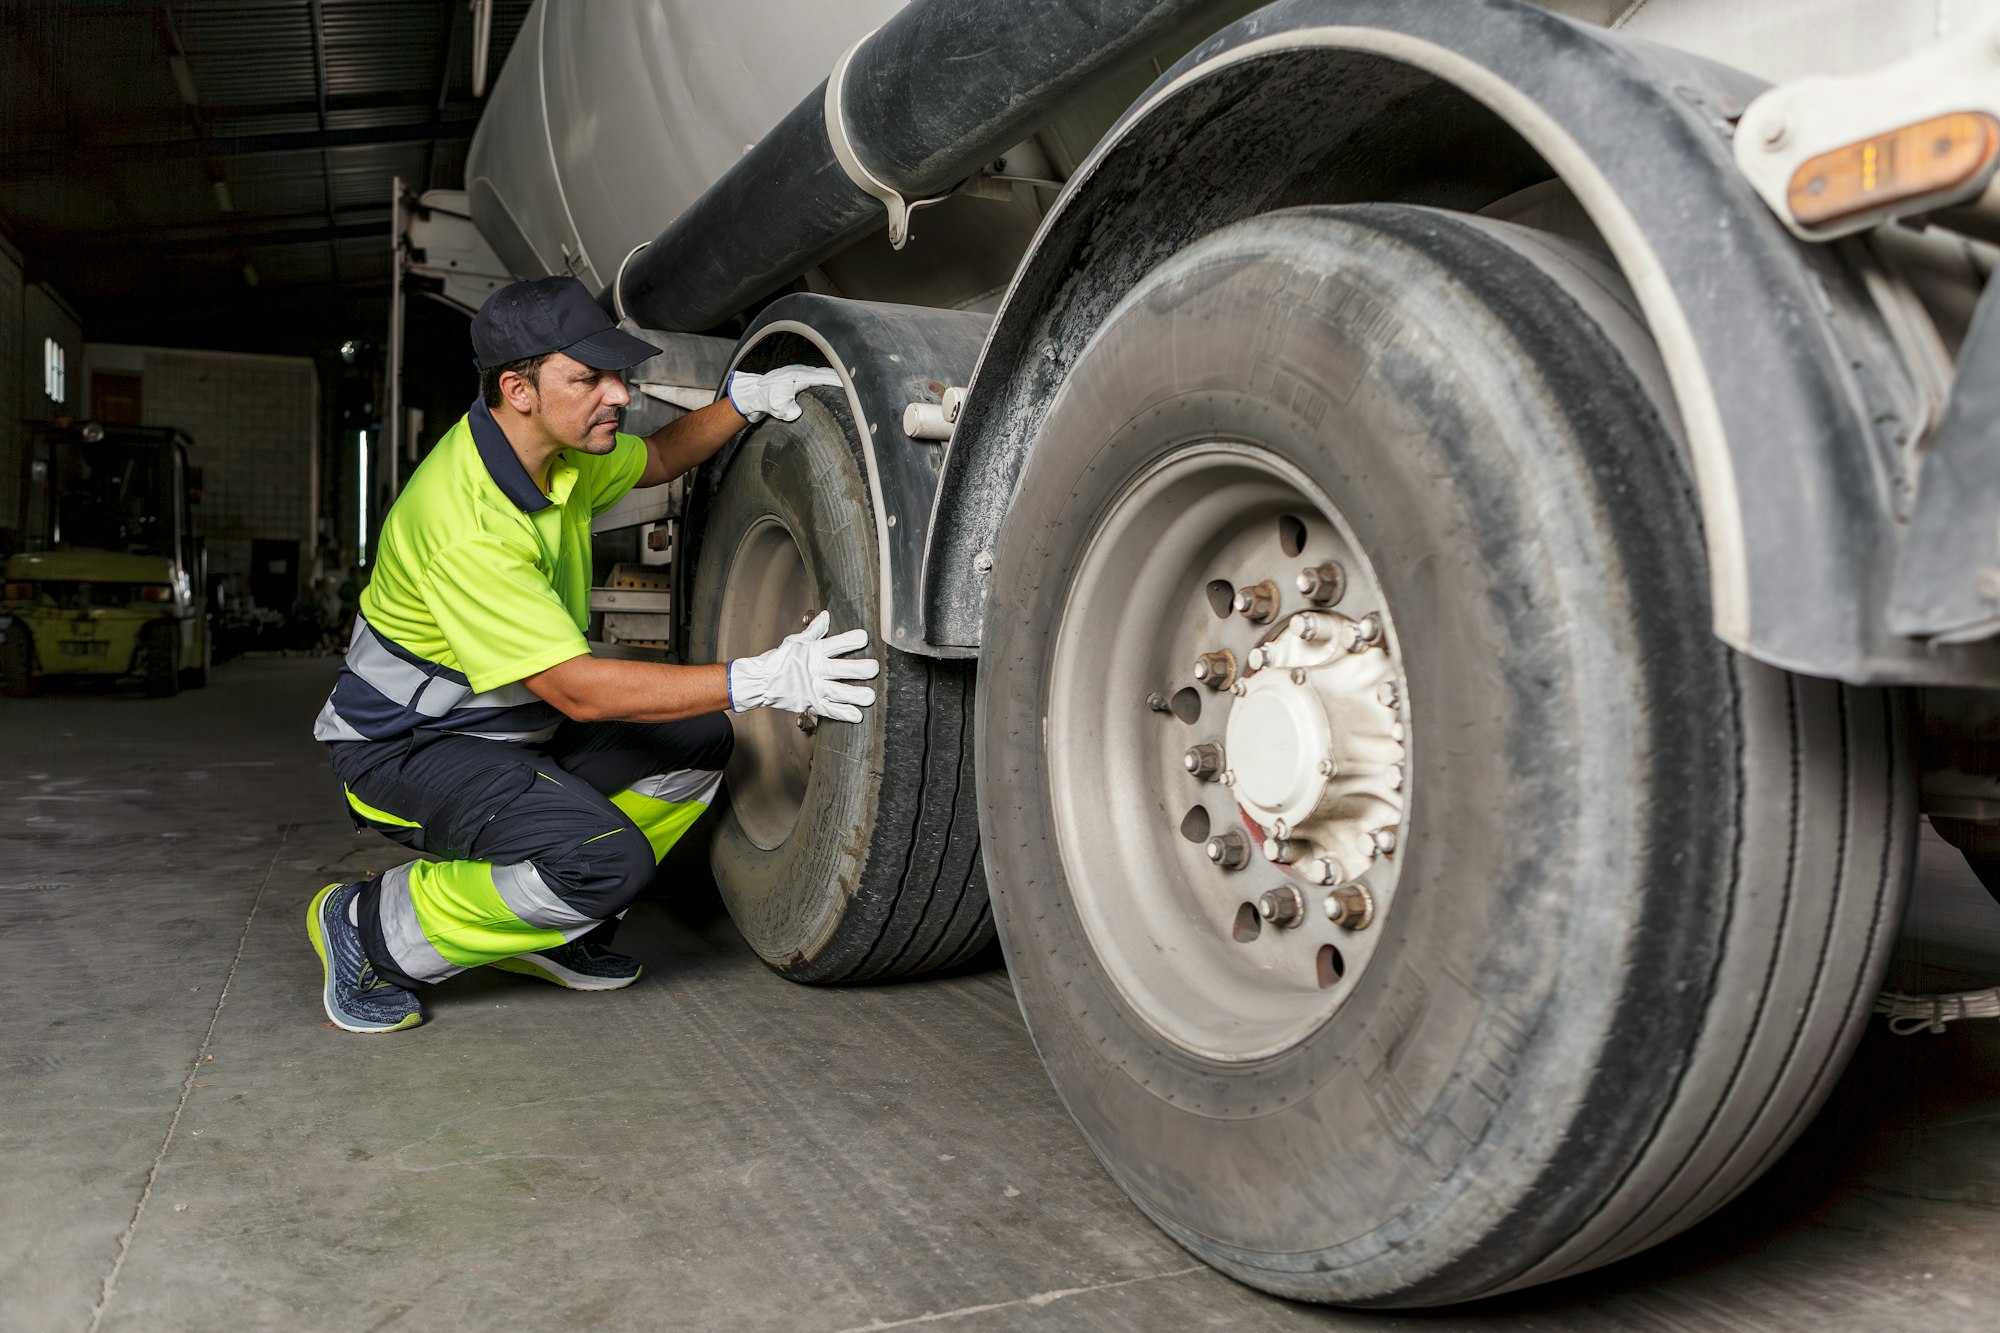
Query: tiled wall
(254, 421)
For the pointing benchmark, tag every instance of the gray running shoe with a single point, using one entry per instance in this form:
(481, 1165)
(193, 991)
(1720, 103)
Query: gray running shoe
(578, 965)
(356, 998)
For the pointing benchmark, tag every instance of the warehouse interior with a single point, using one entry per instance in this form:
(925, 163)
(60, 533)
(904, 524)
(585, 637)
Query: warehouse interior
(197, 203)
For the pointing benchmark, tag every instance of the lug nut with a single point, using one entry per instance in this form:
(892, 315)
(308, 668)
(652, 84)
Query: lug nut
(1230, 850)
(1323, 871)
(1282, 906)
(1323, 584)
(1204, 760)
(1283, 851)
(1350, 907)
(1257, 602)
(1384, 840)
(1364, 633)
(1217, 670)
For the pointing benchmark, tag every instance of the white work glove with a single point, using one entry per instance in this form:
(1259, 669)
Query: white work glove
(807, 673)
(776, 392)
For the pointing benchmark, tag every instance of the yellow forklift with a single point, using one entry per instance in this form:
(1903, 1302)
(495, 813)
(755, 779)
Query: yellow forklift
(110, 579)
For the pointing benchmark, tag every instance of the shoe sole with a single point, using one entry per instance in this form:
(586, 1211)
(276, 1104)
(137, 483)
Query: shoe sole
(316, 931)
(541, 967)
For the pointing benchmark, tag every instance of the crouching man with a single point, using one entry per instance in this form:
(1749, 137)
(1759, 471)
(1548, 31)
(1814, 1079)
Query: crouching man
(469, 720)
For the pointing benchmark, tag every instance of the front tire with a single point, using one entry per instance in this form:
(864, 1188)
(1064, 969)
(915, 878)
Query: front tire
(17, 662)
(1629, 894)
(159, 668)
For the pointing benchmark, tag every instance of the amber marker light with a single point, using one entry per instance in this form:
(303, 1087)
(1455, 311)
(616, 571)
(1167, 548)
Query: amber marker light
(1930, 157)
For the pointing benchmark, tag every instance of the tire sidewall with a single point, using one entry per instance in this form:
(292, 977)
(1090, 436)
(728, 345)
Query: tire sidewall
(787, 900)
(1515, 591)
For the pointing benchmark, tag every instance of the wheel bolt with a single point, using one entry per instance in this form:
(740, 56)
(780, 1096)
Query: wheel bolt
(1217, 670)
(1229, 777)
(1257, 602)
(1364, 632)
(1327, 768)
(1350, 907)
(1230, 850)
(1283, 851)
(1323, 871)
(1281, 828)
(1257, 658)
(1389, 695)
(1324, 583)
(1282, 906)
(1298, 675)
(1204, 760)
(1309, 626)
(1384, 840)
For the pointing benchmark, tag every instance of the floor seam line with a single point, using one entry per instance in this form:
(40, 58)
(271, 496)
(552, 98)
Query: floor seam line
(1039, 1299)
(187, 1088)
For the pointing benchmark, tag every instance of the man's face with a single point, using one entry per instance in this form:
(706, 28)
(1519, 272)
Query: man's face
(576, 406)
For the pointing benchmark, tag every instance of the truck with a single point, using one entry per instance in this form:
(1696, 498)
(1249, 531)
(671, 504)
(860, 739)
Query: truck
(110, 581)
(1429, 559)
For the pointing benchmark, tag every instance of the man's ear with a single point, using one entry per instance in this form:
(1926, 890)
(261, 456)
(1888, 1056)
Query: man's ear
(518, 392)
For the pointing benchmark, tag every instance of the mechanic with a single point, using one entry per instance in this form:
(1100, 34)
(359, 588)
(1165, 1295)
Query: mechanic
(469, 720)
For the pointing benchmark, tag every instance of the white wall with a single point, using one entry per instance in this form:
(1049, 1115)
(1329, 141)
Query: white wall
(255, 425)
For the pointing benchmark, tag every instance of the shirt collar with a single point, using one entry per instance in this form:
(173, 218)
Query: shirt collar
(502, 462)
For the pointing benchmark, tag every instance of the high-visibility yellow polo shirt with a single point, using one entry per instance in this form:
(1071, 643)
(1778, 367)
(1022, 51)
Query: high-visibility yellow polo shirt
(481, 578)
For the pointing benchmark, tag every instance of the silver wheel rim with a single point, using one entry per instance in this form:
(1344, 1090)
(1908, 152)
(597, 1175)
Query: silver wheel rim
(1317, 727)
(768, 594)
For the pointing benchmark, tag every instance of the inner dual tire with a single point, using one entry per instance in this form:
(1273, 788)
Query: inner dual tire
(1641, 891)
(848, 852)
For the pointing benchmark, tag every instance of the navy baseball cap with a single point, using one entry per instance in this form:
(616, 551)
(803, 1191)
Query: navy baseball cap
(544, 315)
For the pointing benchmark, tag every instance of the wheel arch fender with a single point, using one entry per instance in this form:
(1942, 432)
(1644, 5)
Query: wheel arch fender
(887, 356)
(1348, 101)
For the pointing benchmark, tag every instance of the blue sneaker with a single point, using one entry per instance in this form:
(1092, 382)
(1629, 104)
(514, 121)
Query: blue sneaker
(579, 965)
(356, 998)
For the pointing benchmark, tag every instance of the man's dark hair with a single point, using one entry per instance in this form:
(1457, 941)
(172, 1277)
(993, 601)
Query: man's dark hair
(528, 368)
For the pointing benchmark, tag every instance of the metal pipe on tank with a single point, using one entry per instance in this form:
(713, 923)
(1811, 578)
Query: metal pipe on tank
(925, 101)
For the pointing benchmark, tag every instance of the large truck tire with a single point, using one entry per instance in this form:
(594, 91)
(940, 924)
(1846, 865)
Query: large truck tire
(1613, 901)
(849, 852)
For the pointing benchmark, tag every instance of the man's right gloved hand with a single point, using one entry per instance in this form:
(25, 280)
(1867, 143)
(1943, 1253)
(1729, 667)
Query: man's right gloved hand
(807, 672)
(776, 392)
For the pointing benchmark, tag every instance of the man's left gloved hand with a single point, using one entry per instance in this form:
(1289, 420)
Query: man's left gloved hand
(808, 671)
(776, 392)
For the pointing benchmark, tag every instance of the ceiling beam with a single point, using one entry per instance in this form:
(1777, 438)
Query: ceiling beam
(23, 164)
(306, 229)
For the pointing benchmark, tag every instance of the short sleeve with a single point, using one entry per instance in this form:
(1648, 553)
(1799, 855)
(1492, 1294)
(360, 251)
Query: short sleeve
(498, 613)
(610, 476)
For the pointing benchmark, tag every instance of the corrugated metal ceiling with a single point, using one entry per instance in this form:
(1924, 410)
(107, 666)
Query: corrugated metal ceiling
(183, 171)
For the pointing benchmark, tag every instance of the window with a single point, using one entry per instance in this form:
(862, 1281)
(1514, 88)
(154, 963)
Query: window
(55, 371)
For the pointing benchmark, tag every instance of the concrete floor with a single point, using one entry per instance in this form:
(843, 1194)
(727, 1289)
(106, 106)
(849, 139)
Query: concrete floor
(185, 1143)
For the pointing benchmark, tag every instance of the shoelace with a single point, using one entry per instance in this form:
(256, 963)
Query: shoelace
(370, 981)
